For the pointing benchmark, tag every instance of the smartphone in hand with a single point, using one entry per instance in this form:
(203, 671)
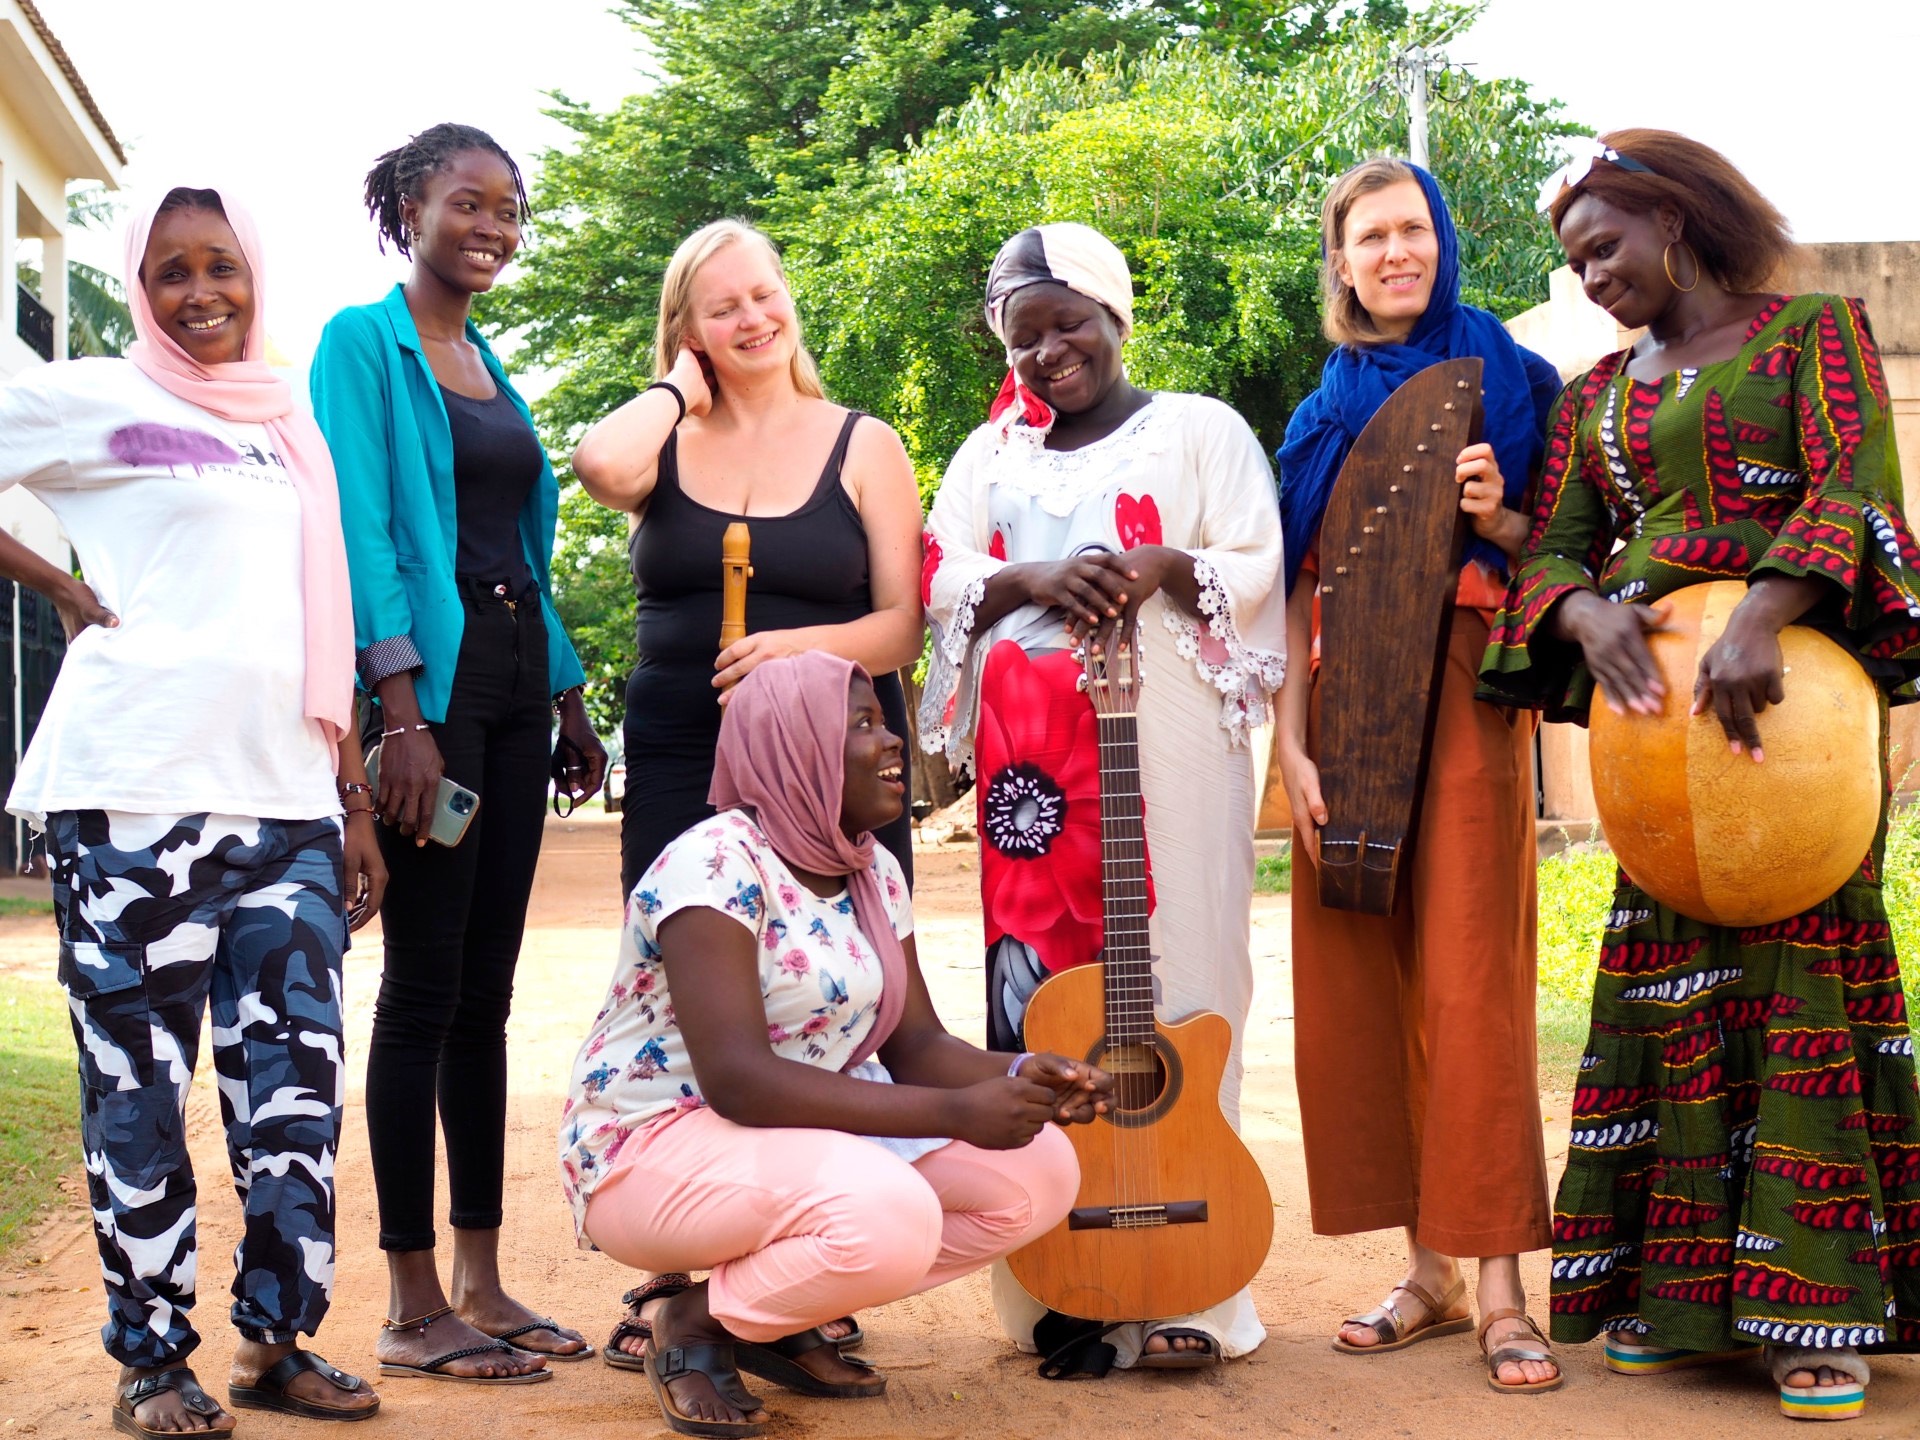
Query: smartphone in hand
(454, 806)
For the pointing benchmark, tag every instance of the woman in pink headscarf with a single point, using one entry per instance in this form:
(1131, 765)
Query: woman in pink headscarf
(205, 806)
(767, 1092)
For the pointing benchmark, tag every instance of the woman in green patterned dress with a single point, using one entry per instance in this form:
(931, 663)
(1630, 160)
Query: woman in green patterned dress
(1745, 1160)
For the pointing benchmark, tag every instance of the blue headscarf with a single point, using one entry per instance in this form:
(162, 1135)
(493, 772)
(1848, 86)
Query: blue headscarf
(1520, 388)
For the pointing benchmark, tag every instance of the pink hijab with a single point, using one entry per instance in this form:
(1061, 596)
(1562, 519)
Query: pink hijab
(782, 755)
(247, 392)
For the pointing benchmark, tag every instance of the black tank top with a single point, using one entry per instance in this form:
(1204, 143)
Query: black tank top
(809, 565)
(496, 460)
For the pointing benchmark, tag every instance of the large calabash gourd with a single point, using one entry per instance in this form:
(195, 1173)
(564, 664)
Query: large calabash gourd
(1712, 834)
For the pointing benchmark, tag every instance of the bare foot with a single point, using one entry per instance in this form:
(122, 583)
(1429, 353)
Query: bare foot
(168, 1412)
(417, 1344)
(251, 1361)
(1821, 1379)
(684, 1319)
(1161, 1344)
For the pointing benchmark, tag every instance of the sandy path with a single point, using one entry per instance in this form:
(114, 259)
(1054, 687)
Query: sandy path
(951, 1373)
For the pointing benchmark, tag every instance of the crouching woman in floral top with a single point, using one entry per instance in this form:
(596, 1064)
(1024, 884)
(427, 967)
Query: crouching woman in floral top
(767, 1092)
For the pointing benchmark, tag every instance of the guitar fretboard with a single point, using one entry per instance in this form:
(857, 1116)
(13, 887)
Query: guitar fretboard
(1127, 958)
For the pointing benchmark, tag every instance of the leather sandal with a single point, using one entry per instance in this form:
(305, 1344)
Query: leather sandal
(269, 1392)
(778, 1361)
(1513, 1352)
(181, 1381)
(633, 1326)
(716, 1362)
(585, 1352)
(1396, 1332)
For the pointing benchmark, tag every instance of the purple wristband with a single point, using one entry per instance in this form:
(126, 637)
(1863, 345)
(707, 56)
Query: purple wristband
(1013, 1070)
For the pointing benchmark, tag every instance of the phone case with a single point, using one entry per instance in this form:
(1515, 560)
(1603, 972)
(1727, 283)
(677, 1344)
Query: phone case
(454, 805)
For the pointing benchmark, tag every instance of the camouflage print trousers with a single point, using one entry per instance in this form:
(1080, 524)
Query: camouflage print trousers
(158, 915)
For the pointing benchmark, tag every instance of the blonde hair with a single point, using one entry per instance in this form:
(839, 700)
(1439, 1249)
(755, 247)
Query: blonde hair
(1343, 319)
(676, 299)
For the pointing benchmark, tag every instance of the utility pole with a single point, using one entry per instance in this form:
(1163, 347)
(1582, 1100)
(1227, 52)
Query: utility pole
(1413, 64)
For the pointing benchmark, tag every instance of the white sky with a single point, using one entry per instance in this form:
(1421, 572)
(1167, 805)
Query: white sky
(290, 101)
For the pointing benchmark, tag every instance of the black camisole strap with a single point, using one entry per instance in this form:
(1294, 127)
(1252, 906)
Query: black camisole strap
(836, 459)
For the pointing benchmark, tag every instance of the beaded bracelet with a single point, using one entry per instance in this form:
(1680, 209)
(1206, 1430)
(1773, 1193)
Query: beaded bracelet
(402, 729)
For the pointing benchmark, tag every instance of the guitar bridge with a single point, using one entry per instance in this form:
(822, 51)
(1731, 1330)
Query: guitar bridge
(1137, 1217)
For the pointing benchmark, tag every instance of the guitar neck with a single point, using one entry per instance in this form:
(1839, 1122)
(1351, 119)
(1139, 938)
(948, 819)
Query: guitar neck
(1126, 958)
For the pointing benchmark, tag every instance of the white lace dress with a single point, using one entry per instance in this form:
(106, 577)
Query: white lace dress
(1184, 471)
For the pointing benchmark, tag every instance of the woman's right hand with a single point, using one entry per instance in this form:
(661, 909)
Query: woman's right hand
(999, 1114)
(1614, 640)
(689, 377)
(1092, 589)
(410, 771)
(78, 607)
(1304, 802)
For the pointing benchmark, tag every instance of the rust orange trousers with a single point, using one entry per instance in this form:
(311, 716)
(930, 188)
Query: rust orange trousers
(1414, 1033)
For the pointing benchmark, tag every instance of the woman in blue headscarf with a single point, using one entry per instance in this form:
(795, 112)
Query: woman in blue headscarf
(1415, 1051)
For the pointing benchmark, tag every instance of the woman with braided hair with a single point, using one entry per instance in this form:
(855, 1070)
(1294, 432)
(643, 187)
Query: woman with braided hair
(449, 505)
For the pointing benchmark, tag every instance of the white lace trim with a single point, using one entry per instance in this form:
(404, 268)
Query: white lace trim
(1248, 678)
(1059, 480)
(946, 663)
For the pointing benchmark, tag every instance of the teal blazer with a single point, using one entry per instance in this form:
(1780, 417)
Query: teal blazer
(380, 409)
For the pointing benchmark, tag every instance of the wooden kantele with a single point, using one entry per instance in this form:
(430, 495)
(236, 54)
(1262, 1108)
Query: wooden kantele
(1390, 548)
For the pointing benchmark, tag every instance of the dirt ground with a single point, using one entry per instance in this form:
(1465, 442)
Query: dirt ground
(952, 1375)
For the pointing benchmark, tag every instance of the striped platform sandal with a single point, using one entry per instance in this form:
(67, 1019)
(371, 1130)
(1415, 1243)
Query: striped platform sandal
(1844, 1401)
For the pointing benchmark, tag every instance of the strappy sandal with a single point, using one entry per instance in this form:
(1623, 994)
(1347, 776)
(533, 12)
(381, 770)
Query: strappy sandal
(777, 1360)
(431, 1369)
(716, 1362)
(632, 1326)
(182, 1382)
(1393, 1328)
(1516, 1351)
(1625, 1357)
(269, 1392)
(1820, 1402)
(1172, 1359)
(585, 1352)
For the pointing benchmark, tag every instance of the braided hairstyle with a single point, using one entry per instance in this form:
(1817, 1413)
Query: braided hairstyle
(182, 197)
(403, 172)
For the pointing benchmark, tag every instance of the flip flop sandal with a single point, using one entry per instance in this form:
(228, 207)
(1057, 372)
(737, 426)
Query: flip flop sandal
(777, 1361)
(1171, 1359)
(430, 1369)
(1623, 1357)
(631, 1326)
(269, 1392)
(716, 1362)
(585, 1352)
(180, 1380)
(1819, 1402)
(1393, 1328)
(1516, 1351)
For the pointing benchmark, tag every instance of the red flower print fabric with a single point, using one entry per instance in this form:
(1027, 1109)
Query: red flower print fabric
(1136, 520)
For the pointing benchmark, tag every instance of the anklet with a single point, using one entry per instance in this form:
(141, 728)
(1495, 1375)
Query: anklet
(419, 1322)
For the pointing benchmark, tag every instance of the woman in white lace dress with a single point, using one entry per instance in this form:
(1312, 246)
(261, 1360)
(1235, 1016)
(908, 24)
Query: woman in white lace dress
(1085, 502)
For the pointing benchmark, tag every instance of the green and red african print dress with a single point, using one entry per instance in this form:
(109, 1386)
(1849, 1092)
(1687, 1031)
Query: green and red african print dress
(1745, 1156)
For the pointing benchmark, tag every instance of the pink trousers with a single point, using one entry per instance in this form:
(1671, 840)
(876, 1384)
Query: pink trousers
(803, 1226)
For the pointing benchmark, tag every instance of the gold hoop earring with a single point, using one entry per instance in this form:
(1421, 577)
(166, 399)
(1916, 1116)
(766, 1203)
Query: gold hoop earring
(1666, 264)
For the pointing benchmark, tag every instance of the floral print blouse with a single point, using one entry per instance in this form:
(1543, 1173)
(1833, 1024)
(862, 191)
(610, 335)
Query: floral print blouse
(818, 975)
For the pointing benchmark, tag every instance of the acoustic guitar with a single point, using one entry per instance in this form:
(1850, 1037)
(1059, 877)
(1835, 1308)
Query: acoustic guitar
(1173, 1215)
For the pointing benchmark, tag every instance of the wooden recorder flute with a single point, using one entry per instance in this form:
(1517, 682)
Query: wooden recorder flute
(735, 546)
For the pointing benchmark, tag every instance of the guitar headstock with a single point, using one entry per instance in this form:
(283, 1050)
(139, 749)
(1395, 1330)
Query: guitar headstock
(1111, 676)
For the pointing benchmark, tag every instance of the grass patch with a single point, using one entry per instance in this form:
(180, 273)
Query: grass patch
(39, 1105)
(1273, 874)
(25, 905)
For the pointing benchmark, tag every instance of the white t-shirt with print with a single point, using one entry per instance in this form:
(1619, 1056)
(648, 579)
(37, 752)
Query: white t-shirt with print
(819, 978)
(188, 529)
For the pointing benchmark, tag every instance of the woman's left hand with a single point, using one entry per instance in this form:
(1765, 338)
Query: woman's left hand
(1483, 496)
(364, 872)
(1740, 675)
(583, 780)
(1144, 570)
(739, 659)
(1081, 1092)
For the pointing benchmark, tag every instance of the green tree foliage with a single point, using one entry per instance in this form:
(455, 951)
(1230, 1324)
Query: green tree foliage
(891, 145)
(98, 320)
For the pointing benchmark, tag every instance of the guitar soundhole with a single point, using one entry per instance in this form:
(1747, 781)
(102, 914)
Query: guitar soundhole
(1146, 1080)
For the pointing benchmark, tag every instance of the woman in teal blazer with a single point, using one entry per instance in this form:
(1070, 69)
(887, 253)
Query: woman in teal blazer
(449, 506)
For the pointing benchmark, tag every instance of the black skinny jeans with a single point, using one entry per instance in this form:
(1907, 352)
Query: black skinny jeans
(453, 919)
